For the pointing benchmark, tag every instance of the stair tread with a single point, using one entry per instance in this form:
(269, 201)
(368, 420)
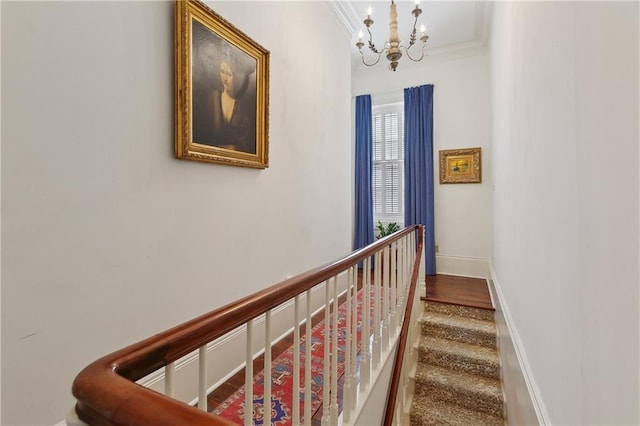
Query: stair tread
(475, 352)
(459, 356)
(460, 310)
(472, 324)
(426, 411)
(458, 381)
(459, 328)
(465, 330)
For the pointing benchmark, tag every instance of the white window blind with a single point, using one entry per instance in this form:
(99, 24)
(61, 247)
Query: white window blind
(388, 163)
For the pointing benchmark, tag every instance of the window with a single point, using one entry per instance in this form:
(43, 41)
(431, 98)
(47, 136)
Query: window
(388, 163)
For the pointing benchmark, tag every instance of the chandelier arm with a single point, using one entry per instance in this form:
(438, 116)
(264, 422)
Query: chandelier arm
(412, 38)
(377, 60)
(421, 56)
(372, 46)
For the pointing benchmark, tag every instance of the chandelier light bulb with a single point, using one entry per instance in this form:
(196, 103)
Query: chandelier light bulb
(422, 29)
(369, 11)
(359, 44)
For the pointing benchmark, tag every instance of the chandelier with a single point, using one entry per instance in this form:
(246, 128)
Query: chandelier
(393, 46)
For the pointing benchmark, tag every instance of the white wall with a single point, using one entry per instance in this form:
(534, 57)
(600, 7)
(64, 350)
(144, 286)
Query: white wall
(520, 402)
(565, 222)
(106, 237)
(461, 118)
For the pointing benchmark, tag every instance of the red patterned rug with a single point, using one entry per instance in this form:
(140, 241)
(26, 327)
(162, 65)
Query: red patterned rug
(282, 379)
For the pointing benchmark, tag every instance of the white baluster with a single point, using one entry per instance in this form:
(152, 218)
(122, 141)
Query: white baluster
(202, 378)
(307, 364)
(295, 399)
(400, 410)
(266, 399)
(405, 272)
(414, 243)
(348, 372)
(409, 264)
(354, 341)
(399, 313)
(401, 274)
(412, 256)
(334, 354)
(248, 377)
(385, 298)
(325, 359)
(169, 369)
(394, 273)
(423, 275)
(365, 351)
(376, 309)
(413, 250)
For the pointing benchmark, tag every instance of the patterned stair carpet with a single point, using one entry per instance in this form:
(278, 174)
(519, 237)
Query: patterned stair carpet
(458, 376)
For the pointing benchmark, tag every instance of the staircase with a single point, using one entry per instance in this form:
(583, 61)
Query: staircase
(458, 377)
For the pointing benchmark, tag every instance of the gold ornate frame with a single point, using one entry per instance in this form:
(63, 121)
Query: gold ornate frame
(460, 166)
(199, 87)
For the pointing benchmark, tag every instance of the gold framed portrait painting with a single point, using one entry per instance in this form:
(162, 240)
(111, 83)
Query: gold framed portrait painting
(460, 166)
(222, 90)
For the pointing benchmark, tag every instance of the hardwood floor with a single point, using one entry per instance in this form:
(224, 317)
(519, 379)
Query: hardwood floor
(465, 291)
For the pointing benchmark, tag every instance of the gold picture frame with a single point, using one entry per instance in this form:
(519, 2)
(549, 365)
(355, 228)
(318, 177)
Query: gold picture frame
(222, 90)
(460, 165)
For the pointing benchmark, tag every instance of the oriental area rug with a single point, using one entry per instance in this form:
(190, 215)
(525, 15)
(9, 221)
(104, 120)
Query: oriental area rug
(282, 398)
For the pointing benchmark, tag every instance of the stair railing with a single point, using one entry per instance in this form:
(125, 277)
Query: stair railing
(401, 386)
(108, 391)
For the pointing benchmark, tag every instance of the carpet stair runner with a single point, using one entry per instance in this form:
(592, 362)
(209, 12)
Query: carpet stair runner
(458, 377)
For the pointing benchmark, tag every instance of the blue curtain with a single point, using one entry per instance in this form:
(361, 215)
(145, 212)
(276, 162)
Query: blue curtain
(418, 166)
(364, 199)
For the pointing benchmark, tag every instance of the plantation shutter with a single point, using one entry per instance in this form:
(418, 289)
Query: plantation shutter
(388, 163)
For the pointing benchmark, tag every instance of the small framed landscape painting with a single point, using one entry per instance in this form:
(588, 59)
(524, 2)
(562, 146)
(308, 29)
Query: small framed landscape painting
(460, 165)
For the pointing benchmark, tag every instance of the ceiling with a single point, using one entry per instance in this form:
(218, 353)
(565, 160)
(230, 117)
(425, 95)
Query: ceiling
(452, 26)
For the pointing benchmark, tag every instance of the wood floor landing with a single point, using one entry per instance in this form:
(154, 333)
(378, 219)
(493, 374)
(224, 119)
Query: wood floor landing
(465, 291)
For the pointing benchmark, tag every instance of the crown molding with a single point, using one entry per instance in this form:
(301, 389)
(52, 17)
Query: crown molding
(346, 15)
(471, 47)
(485, 24)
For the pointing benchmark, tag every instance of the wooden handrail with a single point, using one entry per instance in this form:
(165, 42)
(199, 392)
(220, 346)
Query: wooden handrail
(404, 334)
(106, 390)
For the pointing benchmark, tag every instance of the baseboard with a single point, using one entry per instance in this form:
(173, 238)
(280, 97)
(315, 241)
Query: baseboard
(523, 401)
(476, 267)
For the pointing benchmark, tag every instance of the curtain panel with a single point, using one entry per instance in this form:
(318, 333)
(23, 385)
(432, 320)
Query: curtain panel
(363, 194)
(418, 166)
